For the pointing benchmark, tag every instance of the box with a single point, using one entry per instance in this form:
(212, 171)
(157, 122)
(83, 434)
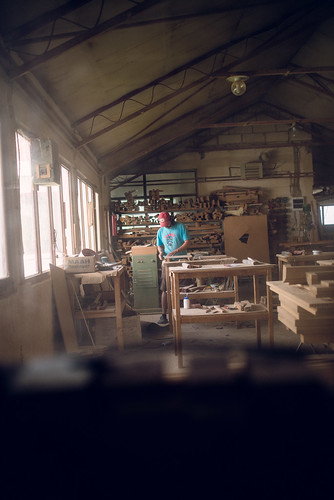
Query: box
(79, 264)
(144, 250)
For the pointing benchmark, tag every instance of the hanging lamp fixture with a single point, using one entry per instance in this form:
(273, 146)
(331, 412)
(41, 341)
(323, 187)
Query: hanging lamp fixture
(238, 85)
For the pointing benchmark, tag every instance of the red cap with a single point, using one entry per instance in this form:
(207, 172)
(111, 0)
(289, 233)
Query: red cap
(164, 219)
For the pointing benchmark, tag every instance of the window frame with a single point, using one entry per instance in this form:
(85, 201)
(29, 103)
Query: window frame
(322, 208)
(6, 282)
(40, 273)
(67, 212)
(88, 212)
(75, 194)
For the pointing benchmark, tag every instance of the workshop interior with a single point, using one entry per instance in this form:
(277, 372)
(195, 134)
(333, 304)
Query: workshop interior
(220, 115)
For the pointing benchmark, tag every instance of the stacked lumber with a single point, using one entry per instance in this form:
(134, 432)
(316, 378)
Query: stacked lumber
(323, 289)
(157, 204)
(309, 275)
(207, 239)
(129, 220)
(234, 194)
(205, 215)
(239, 201)
(306, 297)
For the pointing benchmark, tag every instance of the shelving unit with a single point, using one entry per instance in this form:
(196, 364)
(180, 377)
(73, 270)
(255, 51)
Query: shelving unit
(140, 228)
(113, 310)
(212, 294)
(181, 315)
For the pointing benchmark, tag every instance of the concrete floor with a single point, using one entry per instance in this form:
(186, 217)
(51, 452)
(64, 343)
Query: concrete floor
(214, 345)
(205, 344)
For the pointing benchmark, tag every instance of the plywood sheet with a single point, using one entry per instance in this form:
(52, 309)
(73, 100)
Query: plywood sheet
(247, 236)
(63, 305)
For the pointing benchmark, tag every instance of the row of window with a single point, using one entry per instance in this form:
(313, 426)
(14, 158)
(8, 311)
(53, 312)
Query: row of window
(48, 214)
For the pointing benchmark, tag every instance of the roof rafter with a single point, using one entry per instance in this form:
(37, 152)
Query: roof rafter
(194, 62)
(45, 18)
(178, 128)
(174, 72)
(274, 40)
(80, 38)
(17, 37)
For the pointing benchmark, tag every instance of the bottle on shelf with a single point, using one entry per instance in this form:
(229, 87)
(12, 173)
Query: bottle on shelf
(186, 302)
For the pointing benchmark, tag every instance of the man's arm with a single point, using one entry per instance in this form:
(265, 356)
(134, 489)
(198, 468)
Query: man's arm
(161, 252)
(184, 246)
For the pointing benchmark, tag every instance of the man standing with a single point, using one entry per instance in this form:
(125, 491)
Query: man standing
(172, 241)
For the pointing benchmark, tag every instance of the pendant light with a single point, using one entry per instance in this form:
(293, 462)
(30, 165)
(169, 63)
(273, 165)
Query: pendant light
(238, 85)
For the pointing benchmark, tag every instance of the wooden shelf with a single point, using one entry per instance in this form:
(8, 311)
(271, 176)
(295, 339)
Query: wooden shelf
(113, 310)
(169, 210)
(201, 316)
(221, 294)
(194, 315)
(108, 312)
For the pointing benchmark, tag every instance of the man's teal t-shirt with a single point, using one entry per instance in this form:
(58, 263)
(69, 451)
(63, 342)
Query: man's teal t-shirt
(172, 238)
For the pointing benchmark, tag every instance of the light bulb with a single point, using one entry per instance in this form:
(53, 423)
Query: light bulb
(238, 87)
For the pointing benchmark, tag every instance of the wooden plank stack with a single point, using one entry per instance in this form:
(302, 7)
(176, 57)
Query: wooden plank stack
(306, 297)
(239, 201)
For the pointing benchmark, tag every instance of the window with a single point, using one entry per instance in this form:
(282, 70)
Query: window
(98, 227)
(327, 214)
(68, 247)
(40, 210)
(87, 216)
(58, 236)
(47, 222)
(170, 184)
(3, 242)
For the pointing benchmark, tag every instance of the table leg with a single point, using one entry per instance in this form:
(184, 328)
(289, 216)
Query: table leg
(172, 300)
(169, 301)
(236, 288)
(118, 310)
(280, 268)
(270, 316)
(177, 323)
(256, 289)
(258, 333)
(256, 293)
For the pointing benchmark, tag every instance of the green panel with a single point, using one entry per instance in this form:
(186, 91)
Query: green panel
(145, 282)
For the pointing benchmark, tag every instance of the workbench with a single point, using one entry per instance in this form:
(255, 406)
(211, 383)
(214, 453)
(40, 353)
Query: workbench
(112, 310)
(300, 260)
(206, 260)
(196, 315)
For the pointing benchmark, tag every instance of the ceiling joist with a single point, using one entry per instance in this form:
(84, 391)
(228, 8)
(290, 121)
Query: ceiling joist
(83, 36)
(254, 53)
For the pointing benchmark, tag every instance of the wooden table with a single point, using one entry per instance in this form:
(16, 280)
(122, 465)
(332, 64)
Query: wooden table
(204, 260)
(300, 260)
(111, 311)
(234, 271)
